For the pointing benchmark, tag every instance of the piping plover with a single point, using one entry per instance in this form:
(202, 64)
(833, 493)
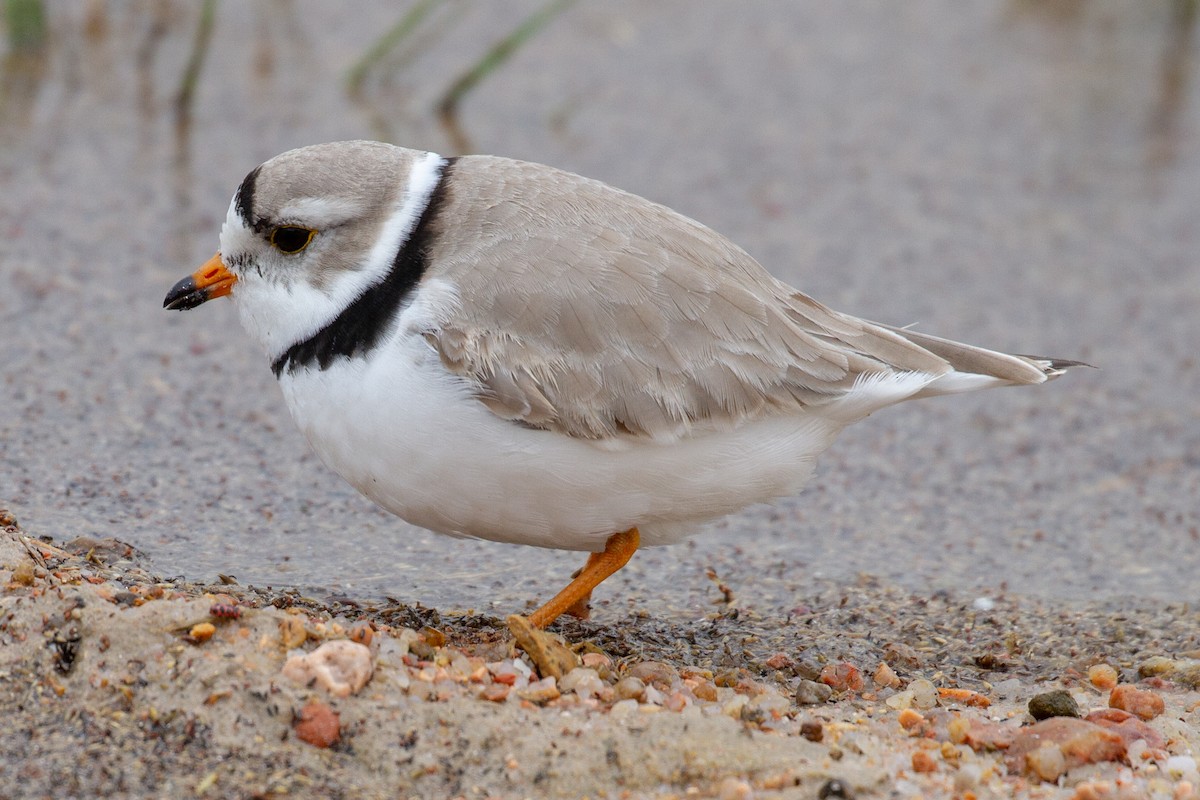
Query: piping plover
(498, 349)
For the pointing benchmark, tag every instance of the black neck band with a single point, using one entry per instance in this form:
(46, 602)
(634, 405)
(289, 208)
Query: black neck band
(359, 327)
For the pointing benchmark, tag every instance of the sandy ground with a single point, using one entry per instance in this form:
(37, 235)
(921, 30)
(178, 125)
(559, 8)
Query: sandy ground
(112, 683)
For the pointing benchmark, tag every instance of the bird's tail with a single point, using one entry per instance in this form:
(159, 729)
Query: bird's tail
(979, 368)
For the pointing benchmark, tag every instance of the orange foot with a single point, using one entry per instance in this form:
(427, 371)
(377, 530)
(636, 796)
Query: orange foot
(574, 599)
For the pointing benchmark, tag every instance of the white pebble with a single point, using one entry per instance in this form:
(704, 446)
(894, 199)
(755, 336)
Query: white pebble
(734, 707)
(624, 708)
(735, 789)
(983, 604)
(583, 681)
(924, 694)
(1181, 767)
(341, 667)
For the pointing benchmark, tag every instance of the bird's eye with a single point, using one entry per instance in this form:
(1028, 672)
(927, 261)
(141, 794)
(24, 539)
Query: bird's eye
(291, 238)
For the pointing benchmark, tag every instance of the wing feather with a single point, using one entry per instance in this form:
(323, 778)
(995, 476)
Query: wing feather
(636, 321)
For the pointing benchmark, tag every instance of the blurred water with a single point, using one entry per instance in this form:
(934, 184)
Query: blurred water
(1024, 175)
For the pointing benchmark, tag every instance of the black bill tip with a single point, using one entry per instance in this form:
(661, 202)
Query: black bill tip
(185, 295)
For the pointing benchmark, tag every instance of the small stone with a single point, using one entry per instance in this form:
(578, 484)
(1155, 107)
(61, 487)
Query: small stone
(583, 681)
(676, 701)
(735, 789)
(981, 735)
(542, 691)
(922, 761)
(631, 688)
(1102, 676)
(1080, 742)
(1127, 726)
(1058, 703)
(1187, 673)
(885, 677)
(433, 637)
(924, 694)
(705, 690)
(291, 632)
(812, 729)
(1140, 702)
(1047, 762)
(966, 697)
(655, 673)
(202, 632)
(23, 574)
(361, 633)
(496, 692)
(317, 724)
(900, 654)
(900, 701)
(910, 719)
(734, 707)
(843, 677)
(771, 702)
(1181, 767)
(779, 661)
(341, 667)
(1156, 665)
(624, 708)
(811, 693)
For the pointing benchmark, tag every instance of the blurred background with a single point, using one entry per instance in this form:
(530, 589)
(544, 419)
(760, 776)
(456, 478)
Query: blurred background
(1019, 174)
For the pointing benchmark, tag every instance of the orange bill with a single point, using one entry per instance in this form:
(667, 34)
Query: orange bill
(211, 280)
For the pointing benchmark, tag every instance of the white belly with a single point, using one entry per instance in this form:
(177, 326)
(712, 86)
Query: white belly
(411, 437)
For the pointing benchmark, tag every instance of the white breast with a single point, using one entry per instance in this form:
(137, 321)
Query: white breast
(412, 437)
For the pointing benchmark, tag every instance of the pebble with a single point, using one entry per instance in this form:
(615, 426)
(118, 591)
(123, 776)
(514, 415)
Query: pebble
(812, 729)
(654, 673)
(341, 667)
(811, 693)
(542, 691)
(317, 724)
(733, 708)
(1102, 676)
(1140, 702)
(1156, 665)
(924, 694)
(1182, 767)
(1127, 726)
(771, 702)
(1079, 742)
(922, 761)
(910, 719)
(885, 676)
(843, 677)
(735, 789)
(1058, 703)
(1047, 762)
(361, 633)
(496, 692)
(583, 681)
(202, 632)
(291, 632)
(624, 708)
(630, 688)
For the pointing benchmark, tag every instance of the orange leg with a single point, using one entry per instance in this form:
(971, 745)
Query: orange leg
(617, 551)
